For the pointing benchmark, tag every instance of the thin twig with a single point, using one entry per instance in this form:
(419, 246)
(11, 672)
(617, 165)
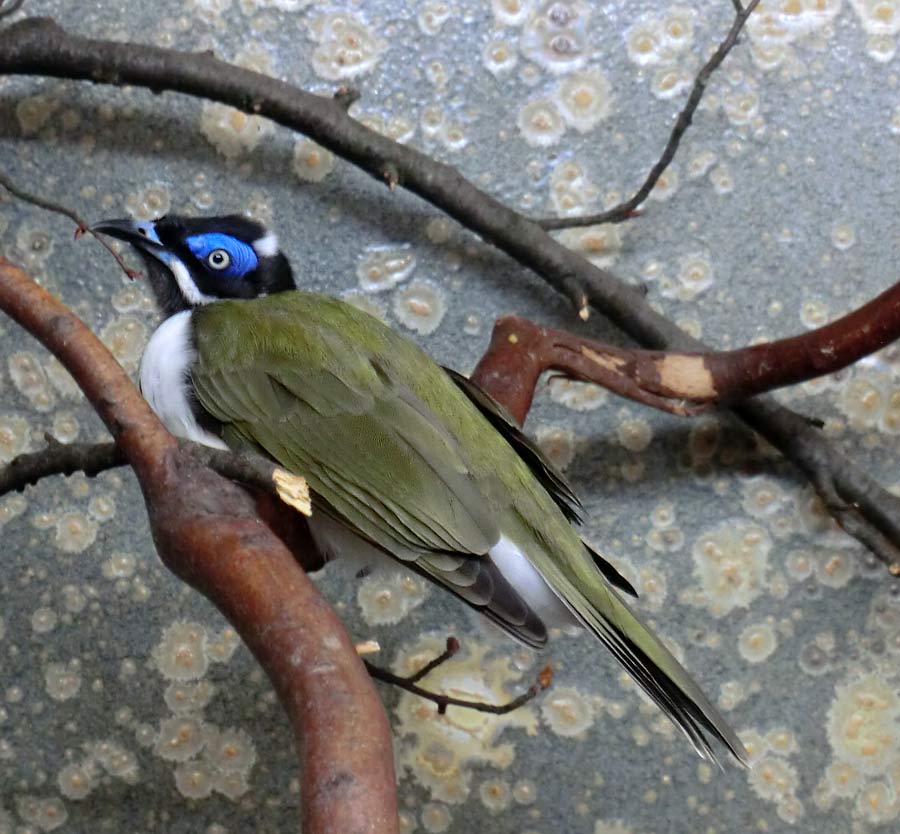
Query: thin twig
(629, 208)
(408, 683)
(59, 459)
(11, 8)
(65, 211)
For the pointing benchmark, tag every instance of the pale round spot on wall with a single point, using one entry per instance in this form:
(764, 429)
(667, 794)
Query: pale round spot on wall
(15, 437)
(311, 162)
(585, 99)
(600, 244)
(382, 267)
(757, 642)
(75, 781)
(181, 654)
(730, 562)
(346, 46)
(762, 497)
(863, 727)
(568, 712)
(194, 779)
(499, 56)
(102, 508)
(432, 16)
(835, 568)
(47, 814)
(150, 202)
(558, 444)
(525, 792)
(670, 82)
(63, 680)
(495, 795)
(436, 817)
(385, 597)
(579, 396)
(420, 306)
(635, 434)
(120, 565)
(231, 750)
(43, 620)
(511, 12)
(185, 698)
(180, 738)
(65, 427)
(222, 647)
(843, 779)
(75, 532)
(541, 123)
(556, 37)
(773, 778)
(231, 784)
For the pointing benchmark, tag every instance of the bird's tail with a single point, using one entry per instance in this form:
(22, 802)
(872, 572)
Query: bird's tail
(654, 668)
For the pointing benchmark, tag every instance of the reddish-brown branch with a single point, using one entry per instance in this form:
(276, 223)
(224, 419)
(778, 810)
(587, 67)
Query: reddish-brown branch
(207, 531)
(680, 383)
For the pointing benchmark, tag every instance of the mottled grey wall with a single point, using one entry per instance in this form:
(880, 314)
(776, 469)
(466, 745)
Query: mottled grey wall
(125, 702)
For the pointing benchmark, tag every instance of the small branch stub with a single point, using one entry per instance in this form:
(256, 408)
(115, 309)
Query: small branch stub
(293, 490)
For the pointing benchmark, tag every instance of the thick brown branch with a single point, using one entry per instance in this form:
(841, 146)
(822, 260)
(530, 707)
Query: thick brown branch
(40, 47)
(628, 209)
(208, 531)
(409, 683)
(680, 383)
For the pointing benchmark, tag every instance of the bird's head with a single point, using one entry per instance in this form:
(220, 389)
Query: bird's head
(195, 260)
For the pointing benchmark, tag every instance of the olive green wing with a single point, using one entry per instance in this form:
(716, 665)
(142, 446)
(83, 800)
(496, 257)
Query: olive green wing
(375, 456)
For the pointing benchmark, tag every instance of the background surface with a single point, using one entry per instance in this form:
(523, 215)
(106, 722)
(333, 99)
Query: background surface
(777, 216)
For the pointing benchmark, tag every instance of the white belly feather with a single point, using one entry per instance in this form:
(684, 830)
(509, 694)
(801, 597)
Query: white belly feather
(165, 383)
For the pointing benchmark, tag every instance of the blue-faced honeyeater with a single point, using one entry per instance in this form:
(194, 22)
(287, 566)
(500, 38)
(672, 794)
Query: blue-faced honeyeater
(404, 458)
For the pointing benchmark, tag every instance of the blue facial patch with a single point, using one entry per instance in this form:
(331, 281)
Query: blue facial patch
(243, 258)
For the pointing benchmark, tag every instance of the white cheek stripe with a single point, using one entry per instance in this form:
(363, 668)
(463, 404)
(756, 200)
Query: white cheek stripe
(267, 246)
(189, 289)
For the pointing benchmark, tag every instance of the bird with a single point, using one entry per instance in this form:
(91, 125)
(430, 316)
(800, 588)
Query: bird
(406, 459)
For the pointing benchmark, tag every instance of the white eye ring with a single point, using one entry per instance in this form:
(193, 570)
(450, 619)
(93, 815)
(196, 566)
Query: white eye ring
(219, 259)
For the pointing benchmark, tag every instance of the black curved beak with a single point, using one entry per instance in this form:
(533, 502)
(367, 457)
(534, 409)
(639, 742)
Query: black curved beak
(141, 234)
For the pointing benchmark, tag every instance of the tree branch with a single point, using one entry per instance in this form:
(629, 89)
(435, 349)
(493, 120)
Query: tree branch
(38, 46)
(57, 208)
(628, 209)
(409, 683)
(208, 532)
(680, 383)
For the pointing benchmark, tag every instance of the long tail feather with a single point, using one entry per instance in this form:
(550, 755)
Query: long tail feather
(656, 671)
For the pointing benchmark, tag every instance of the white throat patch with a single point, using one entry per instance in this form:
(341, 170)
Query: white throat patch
(165, 384)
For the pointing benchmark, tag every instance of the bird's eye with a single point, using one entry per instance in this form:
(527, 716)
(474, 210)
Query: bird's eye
(219, 259)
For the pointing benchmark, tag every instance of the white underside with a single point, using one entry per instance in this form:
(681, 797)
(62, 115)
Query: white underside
(165, 381)
(530, 585)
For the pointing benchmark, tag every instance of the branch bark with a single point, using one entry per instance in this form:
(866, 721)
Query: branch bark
(209, 533)
(38, 46)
